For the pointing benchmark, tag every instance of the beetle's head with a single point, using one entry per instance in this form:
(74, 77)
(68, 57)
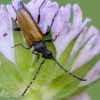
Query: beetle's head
(47, 54)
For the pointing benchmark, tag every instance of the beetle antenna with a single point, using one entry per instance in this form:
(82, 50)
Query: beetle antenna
(33, 77)
(68, 71)
(13, 7)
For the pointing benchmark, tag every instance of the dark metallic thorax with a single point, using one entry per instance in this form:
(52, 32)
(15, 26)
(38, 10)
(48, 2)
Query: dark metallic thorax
(41, 47)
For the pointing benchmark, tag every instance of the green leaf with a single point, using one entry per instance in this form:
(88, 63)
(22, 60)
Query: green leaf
(10, 77)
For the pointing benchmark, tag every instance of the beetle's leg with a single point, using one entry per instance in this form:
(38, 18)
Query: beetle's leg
(39, 12)
(51, 40)
(21, 46)
(16, 29)
(49, 27)
(38, 56)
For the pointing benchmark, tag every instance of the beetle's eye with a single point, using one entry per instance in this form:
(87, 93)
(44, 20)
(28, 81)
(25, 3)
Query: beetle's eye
(49, 53)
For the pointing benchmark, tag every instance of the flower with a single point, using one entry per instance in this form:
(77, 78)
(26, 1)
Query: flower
(76, 49)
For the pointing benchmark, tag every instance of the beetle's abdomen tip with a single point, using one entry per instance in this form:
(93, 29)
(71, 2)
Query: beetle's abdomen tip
(20, 4)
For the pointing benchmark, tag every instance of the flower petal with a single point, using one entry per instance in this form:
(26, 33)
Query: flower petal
(89, 51)
(77, 17)
(61, 22)
(67, 32)
(6, 40)
(79, 42)
(87, 20)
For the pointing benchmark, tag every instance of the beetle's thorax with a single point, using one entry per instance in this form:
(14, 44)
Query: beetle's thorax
(40, 47)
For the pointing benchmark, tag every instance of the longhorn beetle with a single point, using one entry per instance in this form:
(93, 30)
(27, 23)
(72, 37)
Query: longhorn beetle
(34, 37)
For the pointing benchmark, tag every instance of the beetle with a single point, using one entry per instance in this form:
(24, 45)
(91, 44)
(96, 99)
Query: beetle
(34, 37)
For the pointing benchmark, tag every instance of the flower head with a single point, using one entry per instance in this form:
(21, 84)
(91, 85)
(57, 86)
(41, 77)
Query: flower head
(76, 48)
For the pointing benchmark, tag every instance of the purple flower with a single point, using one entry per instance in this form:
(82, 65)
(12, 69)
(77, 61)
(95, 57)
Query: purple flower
(76, 48)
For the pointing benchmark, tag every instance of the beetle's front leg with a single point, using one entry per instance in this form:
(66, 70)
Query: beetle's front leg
(51, 40)
(21, 46)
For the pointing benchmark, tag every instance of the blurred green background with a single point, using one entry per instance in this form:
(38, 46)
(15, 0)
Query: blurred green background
(91, 9)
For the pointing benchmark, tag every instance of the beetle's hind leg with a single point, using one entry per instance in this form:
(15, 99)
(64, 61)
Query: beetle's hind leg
(21, 46)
